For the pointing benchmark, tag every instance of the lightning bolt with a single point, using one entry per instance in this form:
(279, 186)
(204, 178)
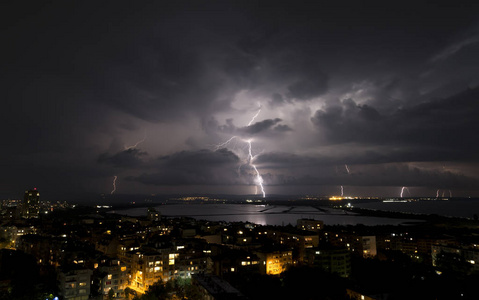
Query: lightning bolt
(225, 143)
(250, 158)
(259, 179)
(402, 191)
(437, 193)
(114, 185)
(347, 170)
(135, 145)
(255, 116)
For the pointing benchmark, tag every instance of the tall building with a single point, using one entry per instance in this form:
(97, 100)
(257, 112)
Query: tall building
(332, 260)
(74, 284)
(31, 204)
(274, 261)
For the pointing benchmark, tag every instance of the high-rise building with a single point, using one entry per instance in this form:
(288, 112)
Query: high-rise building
(31, 204)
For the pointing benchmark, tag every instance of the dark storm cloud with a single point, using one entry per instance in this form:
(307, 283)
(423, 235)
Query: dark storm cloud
(80, 78)
(382, 176)
(260, 126)
(200, 158)
(313, 86)
(130, 159)
(202, 167)
(385, 155)
(348, 121)
(445, 125)
(282, 128)
(144, 60)
(276, 100)
(288, 160)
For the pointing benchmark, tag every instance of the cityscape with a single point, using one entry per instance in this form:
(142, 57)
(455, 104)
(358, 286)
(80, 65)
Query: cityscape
(59, 250)
(239, 149)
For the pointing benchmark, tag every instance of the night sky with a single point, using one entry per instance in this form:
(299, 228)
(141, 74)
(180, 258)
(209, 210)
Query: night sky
(371, 96)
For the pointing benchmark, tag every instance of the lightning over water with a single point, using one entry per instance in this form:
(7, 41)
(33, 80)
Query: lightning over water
(259, 179)
(347, 170)
(114, 185)
(403, 189)
(250, 157)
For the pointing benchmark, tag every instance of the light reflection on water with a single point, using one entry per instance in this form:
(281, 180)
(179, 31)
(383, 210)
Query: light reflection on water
(263, 215)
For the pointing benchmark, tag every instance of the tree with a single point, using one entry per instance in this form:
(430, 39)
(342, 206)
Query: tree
(111, 294)
(128, 292)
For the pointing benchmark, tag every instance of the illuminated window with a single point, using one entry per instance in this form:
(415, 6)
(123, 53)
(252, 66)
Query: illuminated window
(109, 276)
(82, 284)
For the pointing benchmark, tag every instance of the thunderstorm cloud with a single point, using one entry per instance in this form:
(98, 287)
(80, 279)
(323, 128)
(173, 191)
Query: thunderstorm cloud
(189, 97)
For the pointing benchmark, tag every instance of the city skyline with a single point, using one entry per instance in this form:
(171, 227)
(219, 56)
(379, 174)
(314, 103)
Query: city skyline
(356, 99)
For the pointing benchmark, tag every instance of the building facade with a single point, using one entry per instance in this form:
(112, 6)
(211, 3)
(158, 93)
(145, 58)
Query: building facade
(31, 204)
(75, 284)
